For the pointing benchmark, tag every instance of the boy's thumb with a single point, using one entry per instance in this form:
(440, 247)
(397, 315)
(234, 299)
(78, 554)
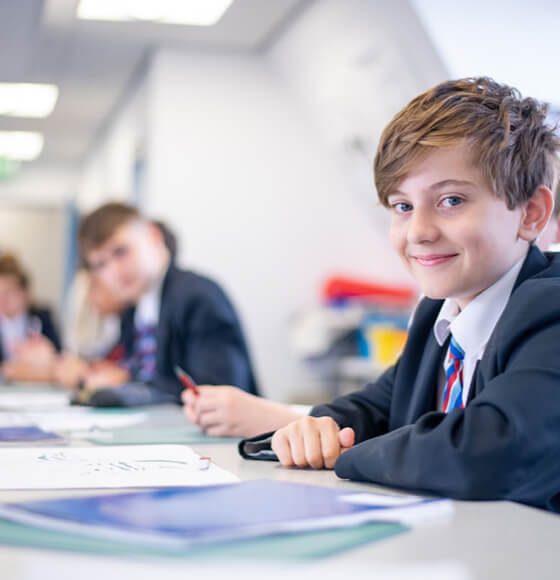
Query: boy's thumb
(346, 437)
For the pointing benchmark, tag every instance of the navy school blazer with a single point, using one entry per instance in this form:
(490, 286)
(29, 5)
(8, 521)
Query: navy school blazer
(48, 328)
(198, 330)
(505, 444)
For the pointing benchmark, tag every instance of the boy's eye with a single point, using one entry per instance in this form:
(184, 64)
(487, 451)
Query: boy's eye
(451, 201)
(401, 207)
(120, 251)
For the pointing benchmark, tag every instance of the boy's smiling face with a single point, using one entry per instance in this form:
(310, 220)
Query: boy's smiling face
(454, 234)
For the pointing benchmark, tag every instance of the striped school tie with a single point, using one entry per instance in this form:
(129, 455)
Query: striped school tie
(142, 366)
(453, 394)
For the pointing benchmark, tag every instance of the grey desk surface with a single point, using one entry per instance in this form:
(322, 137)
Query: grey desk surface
(489, 540)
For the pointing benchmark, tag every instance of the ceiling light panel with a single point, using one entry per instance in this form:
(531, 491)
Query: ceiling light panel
(27, 99)
(20, 145)
(187, 12)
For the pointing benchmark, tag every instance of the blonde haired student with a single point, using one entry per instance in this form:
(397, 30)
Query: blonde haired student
(472, 408)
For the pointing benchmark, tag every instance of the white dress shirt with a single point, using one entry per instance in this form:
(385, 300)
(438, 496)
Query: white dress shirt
(473, 326)
(147, 310)
(13, 331)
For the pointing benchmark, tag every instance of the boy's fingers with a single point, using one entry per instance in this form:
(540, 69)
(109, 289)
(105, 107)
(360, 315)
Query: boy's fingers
(330, 446)
(281, 446)
(208, 419)
(346, 437)
(217, 431)
(311, 439)
(297, 447)
(190, 413)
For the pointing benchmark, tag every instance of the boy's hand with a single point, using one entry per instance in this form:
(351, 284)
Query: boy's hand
(315, 442)
(69, 370)
(36, 351)
(226, 411)
(105, 374)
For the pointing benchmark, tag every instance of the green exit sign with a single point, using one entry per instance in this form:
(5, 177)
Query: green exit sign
(8, 168)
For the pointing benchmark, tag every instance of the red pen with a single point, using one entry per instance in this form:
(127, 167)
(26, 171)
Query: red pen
(186, 379)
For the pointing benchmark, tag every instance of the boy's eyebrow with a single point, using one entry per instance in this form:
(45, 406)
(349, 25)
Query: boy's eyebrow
(446, 182)
(439, 185)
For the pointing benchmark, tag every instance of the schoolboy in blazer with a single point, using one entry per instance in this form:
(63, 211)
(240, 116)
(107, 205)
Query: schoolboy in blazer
(198, 330)
(19, 318)
(177, 317)
(29, 340)
(472, 408)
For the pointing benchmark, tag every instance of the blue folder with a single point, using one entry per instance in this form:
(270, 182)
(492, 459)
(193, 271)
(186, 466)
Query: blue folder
(186, 517)
(25, 433)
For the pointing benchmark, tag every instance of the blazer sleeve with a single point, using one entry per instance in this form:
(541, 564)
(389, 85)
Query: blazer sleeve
(504, 445)
(213, 349)
(217, 353)
(366, 411)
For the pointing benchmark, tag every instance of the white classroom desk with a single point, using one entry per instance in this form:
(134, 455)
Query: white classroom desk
(490, 540)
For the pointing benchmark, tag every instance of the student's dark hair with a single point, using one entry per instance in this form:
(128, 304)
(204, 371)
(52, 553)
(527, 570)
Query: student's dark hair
(98, 226)
(169, 238)
(508, 136)
(11, 266)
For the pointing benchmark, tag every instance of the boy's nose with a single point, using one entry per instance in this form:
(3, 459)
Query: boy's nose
(422, 228)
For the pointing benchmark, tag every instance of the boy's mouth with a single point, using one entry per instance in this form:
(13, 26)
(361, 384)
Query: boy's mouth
(433, 259)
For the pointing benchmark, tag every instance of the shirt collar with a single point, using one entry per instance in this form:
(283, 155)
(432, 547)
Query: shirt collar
(473, 326)
(147, 310)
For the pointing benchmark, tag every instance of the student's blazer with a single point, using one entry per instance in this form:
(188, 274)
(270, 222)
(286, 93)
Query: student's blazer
(198, 330)
(48, 328)
(505, 444)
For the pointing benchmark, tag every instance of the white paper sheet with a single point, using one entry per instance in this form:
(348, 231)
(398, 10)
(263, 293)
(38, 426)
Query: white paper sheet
(71, 419)
(107, 467)
(33, 400)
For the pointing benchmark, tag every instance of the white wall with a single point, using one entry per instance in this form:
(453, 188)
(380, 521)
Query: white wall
(248, 160)
(356, 63)
(514, 41)
(36, 234)
(108, 171)
(238, 173)
(41, 184)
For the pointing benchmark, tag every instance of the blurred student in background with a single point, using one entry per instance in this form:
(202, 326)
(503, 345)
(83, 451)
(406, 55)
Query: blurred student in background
(91, 331)
(29, 339)
(93, 326)
(176, 317)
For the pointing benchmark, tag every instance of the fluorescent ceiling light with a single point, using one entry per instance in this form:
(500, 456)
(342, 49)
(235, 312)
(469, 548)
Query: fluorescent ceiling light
(27, 99)
(20, 145)
(193, 12)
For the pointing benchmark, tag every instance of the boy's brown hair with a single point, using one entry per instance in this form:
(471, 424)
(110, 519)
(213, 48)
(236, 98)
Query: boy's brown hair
(97, 227)
(10, 266)
(511, 142)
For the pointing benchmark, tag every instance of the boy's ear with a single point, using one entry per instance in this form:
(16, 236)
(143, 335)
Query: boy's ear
(536, 213)
(154, 232)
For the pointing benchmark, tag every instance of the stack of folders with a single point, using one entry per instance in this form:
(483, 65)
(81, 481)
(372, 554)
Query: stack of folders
(186, 517)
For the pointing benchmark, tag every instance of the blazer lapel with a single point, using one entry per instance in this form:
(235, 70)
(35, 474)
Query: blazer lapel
(425, 385)
(162, 330)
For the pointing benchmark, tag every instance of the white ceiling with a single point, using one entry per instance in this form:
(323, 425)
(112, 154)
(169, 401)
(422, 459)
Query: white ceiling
(93, 63)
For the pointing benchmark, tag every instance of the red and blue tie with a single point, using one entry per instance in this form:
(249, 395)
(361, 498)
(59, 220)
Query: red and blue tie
(142, 364)
(453, 394)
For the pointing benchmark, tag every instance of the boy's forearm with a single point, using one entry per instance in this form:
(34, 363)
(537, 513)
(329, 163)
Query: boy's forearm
(471, 454)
